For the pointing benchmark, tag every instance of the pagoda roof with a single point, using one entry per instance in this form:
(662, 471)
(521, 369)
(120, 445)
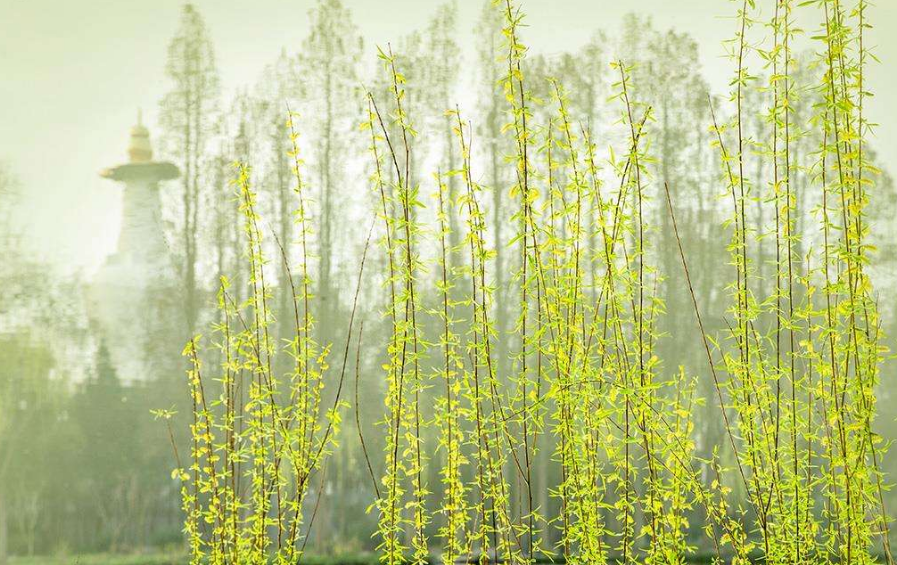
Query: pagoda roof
(152, 170)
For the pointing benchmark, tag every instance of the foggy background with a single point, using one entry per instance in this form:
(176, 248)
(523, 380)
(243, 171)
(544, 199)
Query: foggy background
(73, 76)
(75, 73)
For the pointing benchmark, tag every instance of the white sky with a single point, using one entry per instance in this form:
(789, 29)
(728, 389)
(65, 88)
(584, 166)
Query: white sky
(73, 73)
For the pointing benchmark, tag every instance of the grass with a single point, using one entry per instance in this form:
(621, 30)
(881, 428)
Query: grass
(103, 559)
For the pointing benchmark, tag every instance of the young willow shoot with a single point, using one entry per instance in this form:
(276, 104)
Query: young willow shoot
(582, 444)
(261, 438)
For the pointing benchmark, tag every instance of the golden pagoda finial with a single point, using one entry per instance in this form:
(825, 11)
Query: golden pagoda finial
(139, 148)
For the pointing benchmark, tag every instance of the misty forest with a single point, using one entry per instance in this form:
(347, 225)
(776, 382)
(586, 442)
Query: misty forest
(451, 300)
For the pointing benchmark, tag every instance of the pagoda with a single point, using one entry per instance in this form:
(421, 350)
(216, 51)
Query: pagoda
(127, 291)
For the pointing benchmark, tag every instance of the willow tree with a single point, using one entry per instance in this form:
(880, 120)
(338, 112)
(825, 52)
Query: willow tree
(443, 57)
(188, 118)
(328, 83)
(492, 68)
(328, 63)
(667, 72)
(239, 142)
(411, 55)
(277, 95)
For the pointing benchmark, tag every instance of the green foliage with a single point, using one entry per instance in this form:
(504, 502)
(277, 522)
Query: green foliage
(797, 476)
(260, 437)
(576, 362)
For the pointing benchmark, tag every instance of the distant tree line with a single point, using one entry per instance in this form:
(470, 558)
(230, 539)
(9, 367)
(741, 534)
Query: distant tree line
(83, 464)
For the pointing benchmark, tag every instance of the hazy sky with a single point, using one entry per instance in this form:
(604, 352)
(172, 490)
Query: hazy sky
(73, 73)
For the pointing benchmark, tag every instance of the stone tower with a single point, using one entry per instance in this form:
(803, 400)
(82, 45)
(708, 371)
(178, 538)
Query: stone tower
(141, 241)
(128, 288)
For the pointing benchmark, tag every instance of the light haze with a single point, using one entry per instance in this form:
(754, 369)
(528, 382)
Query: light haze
(74, 73)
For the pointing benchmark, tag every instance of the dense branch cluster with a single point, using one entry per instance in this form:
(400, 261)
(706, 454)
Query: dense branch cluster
(582, 385)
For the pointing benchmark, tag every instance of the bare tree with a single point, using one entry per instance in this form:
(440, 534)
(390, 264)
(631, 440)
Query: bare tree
(188, 117)
(329, 69)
